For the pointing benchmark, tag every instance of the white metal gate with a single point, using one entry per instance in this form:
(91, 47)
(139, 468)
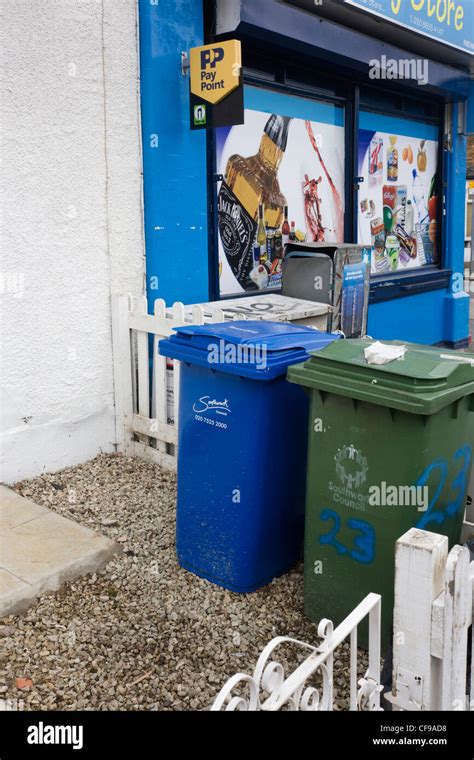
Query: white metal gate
(433, 613)
(270, 689)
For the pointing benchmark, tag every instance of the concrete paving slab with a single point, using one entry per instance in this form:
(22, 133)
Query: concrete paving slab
(9, 584)
(40, 549)
(15, 510)
(46, 545)
(11, 590)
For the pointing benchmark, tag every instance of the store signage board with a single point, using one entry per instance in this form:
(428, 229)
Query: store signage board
(216, 85)
(450, 22)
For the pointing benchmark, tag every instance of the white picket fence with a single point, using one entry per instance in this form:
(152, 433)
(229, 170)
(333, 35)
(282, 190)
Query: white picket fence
(145, 391)
(432, 615)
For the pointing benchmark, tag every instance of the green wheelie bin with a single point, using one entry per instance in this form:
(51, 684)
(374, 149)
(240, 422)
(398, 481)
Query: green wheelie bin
(389, 448)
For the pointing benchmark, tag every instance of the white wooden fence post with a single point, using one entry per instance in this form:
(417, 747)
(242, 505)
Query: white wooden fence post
(420, 560)
(178, 318)
(122, 365)
(159, 395)
(143, 379)
(471, 575)
(451, 619)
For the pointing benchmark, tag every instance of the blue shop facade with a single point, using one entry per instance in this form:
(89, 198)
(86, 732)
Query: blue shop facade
(356, 118)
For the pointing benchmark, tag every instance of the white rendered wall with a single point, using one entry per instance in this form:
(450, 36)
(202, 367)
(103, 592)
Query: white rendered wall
(71, 223)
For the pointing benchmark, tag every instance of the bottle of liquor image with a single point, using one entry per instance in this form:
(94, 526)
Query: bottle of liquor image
(248, 184)
(270, 245)
(409, 217)
(392, 160)
(254, 180)
(261, 232)
(278, 245)
(293, 232)
(262, 235)
(418, 193)
(285, 229)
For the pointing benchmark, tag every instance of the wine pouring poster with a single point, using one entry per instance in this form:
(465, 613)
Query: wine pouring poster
(286, 163)
(398, 195)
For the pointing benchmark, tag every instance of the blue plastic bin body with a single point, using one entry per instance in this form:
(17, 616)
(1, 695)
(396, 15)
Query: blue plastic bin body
(242, 444)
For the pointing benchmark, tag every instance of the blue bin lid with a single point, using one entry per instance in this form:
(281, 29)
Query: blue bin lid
(259, 350)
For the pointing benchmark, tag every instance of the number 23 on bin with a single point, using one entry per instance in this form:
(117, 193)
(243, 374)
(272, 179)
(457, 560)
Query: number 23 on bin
(363, 549)
(458, 485)
(364, 542)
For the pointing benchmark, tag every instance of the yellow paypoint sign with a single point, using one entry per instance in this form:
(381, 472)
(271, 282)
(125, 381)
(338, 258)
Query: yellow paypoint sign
(215, 70)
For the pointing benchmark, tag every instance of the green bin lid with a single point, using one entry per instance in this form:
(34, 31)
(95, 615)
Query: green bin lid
(424, 381)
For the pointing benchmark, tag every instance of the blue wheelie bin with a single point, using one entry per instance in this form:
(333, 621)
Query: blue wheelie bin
(242, 442)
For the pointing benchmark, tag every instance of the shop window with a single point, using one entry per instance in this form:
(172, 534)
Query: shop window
(283, 173)
(397, 202)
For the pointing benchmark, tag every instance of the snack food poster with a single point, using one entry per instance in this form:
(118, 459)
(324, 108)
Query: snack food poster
(289, 152)
(397, 201)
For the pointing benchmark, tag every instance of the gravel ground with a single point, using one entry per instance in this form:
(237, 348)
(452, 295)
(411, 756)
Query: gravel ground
(142, 634)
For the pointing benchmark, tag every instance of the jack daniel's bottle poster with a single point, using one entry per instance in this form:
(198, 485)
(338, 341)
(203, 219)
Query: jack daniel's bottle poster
(248, 183)
(270, 163)
(237, 230)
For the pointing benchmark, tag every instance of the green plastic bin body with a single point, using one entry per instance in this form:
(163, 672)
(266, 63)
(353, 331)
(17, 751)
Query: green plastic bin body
(374, 433)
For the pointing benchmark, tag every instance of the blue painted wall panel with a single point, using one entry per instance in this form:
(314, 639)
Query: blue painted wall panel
(397, 126)
(174, 158)
(470, 109)
(456, 314)
(268, 101)
(418, 318)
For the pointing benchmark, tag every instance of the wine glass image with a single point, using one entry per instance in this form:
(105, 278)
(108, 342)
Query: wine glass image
(312, 209)
(323, 205)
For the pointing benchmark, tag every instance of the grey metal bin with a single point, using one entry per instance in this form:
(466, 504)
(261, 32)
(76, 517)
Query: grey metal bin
(317, 272)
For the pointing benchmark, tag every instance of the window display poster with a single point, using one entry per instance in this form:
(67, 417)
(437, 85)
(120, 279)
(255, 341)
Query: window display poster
(398, 196)
(283, 178)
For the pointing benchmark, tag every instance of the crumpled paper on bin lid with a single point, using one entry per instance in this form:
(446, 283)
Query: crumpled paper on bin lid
(380, 353)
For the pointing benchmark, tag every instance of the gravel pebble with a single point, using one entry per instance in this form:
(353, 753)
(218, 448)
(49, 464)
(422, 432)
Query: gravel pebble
(141, 634)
